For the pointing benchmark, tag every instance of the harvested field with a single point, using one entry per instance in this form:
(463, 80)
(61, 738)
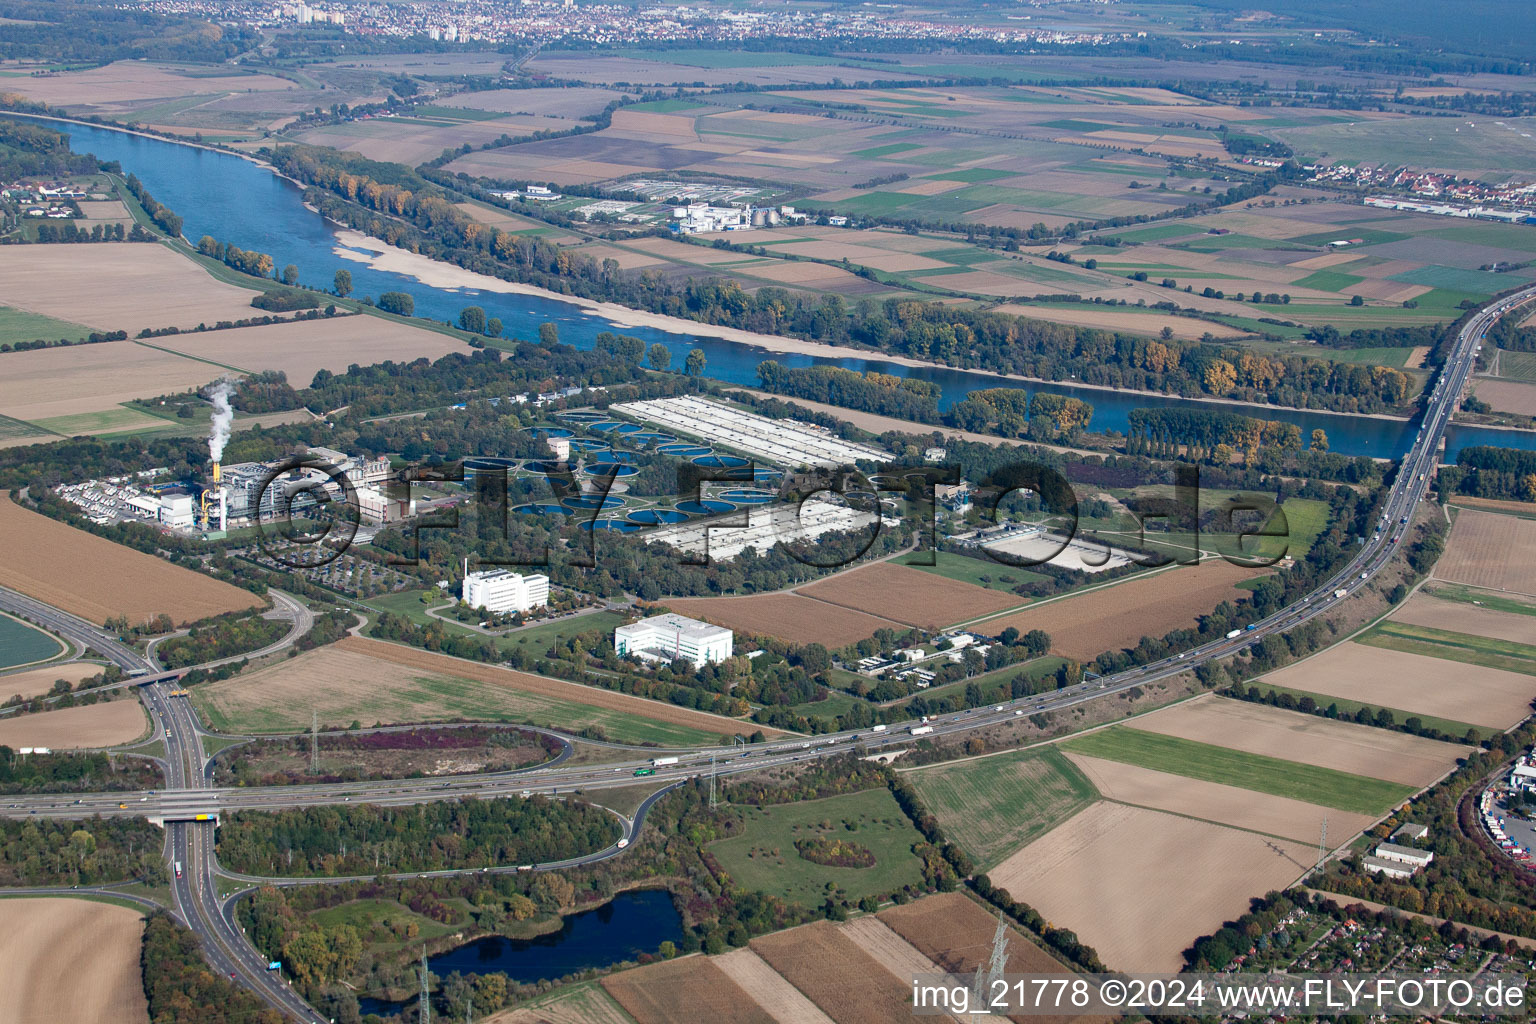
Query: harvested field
(300, 349)
(1224, 805)
(1492, 551)
(73, 960)
(851, 986)
(123, 82)
(1115, 617)
(578, 1004)
(1507, 395)
(894, 953)
(95, 578)
(40, 680)
(58, 385)
(764, 985)
(105, 724)
(1305, 739)
(1519, 508)
(1425, 609)
(909, 596)
(692, 988)
(1414, 683)
(375, 681)
(791, 617)
(123, 286)
(1139, 885)
(1131, 323)
(955, 932)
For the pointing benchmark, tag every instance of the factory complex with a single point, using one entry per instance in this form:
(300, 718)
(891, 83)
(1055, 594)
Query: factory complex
(670, 637)
(788, 443)
(502, 590)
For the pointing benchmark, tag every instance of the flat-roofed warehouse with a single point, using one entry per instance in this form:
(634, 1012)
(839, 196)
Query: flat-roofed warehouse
(786, 443)
(723, 538)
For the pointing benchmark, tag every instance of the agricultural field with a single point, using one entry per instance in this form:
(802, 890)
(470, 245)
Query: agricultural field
(1337, 747)
(762, 855)
(370, 681)
(36, 681)
(1140, 885)
(95, 579)
(909, 596)
(300, 349)
(835, 972)
(18, 325)
(87, 726)
(424, 133)
(1432, 606)
(767, 988)
(45, 945)
(979, 572)
(1492, 551)
(693, 988)
(1220, 804)
(1507, 395)
(800, 620)
(82, 388)
(25, 644)
(575, 1004)
(1110, 618)
(1475, 147)
(132, 285)
(1482, 651)
(1414, 682)
(997, 804)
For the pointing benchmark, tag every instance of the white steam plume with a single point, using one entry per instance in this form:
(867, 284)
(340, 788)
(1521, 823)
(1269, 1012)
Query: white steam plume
(223, 416)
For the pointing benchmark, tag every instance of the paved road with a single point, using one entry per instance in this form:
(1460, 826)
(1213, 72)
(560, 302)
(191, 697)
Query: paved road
(191, 844)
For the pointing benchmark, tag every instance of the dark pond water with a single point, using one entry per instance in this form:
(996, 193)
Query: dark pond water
(238, 201)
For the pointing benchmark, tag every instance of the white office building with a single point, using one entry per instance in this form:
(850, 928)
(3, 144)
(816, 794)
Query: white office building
(501, 590)
(672, 638)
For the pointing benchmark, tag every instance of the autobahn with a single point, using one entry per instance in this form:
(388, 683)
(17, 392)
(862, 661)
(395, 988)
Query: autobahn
(191, 843)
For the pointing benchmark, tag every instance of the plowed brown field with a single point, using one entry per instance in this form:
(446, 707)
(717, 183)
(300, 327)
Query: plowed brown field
(40, 680)
(847, 983)
(91, 725)
(690, 989)
(95, 579)
(1139, 886)
(791, 617)
(70, 960)
(910, 596)
(1118, 616)
(1425, 609)
(787, 1004)
(1492, 551)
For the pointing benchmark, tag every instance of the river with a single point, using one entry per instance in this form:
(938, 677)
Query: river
(246, 204)
(621, 929)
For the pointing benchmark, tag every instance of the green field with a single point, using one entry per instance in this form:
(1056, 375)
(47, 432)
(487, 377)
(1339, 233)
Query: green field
(1518, 366)
(1451, 646)
(447, 699)
(19, 325)
(537, 639)
(17, 428)
(1449, 726)
(763, 857)
(1329, 281)
(1255, 772)
(104, 421)
(23, 644)
(994, 805)
(981, 572)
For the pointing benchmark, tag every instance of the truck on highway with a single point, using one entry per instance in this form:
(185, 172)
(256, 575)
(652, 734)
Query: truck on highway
(178, 869)
(921, 730)
(877, 728)
(1234, 634)
(644, 771)
(274, 965)
(623, 843)
(1340, 593)
(661, 762)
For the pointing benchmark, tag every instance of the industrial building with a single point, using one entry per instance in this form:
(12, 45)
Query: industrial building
(1392, 869)
(698, 218)
(1408, 855)
(501, 590)
(671, 637)
(1411, 830)
(725, 538)
(787, 443)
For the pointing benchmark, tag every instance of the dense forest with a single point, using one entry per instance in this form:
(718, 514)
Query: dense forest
(43, 851)
(389, 202)
(69, 30)
(180, 987)
(365, 839)
(222, 638)
(1483, 471)
(31, 150)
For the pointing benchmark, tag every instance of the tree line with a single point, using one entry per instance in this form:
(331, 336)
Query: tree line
(1485, 471)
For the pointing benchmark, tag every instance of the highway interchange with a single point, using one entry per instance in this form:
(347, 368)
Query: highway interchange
(190, 844)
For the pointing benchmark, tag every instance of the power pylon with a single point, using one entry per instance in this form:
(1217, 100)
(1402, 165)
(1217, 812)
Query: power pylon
(314, 743)
(425, 1014)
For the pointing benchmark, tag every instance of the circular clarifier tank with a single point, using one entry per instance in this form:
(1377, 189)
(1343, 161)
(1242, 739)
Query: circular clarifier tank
(652, 438)
(686, 451)
(707, 507)
(551, 432)
(552, 468)
(657, 516)
(617, 525)
(747, 495)
(719, 461)
(543, 509)
(591, 501)
(582, 417)
(627, 428)
(604, 426)
(614, 469)
(488, 464)
(589, 444)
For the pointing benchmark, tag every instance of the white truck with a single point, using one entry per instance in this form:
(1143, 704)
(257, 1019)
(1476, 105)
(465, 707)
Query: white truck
(1340, 593)
(921, 730)
(1234, 634)
(877, 728)
(661, 762)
